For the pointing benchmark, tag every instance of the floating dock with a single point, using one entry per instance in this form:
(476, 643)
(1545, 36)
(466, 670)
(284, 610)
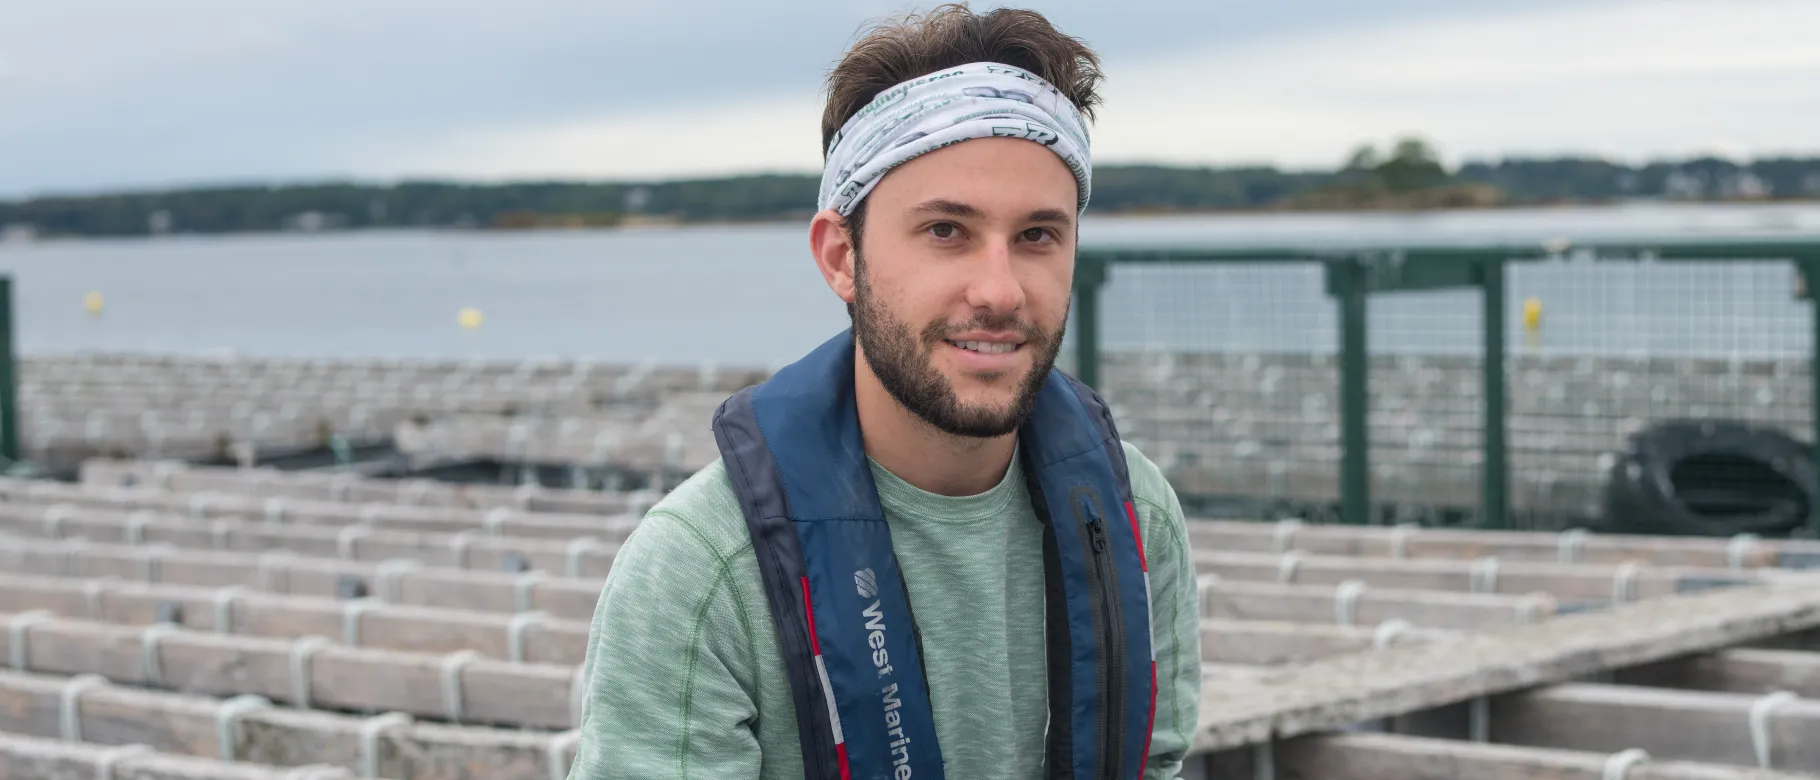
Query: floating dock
(244, 623)
(175, 607)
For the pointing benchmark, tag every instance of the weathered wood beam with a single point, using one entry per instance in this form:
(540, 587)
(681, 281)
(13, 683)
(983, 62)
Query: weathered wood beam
(530, 637)
(1355, 604)
(408, 582)
(1214, 673)
(472, 549)
(400, 581)
(1278, 642)
(1461, 544)
(391, 744)
(39, 496)
(1575, 583)
(1369, 756)
(539, 638)
(1737, 670)
(1337, 692)
(1669, 724)
(348, 487)
(456, 687)
(38, 758)
(592, 557)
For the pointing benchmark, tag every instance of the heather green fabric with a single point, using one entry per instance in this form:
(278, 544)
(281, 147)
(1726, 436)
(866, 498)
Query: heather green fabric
(686, 680)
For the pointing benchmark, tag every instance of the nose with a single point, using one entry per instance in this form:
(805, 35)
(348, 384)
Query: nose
(995, 287)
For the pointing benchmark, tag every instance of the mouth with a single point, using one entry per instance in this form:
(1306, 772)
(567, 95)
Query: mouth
(986, 347)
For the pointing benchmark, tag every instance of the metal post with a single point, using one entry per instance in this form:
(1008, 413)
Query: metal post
(1496, 467)
(9, 398)
(1810, 268)
(1355, 440)
(1089, 277)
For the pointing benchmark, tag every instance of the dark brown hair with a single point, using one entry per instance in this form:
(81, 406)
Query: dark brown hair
(898, 50)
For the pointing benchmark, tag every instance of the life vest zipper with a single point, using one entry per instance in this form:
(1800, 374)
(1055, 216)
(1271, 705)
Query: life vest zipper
(1107, 624)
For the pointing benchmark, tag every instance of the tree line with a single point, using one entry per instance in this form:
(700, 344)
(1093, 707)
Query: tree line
(1406, 175)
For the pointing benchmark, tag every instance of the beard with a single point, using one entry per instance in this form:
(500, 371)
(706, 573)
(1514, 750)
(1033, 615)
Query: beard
(904, 362)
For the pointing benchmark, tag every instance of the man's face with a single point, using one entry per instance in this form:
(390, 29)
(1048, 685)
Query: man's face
(961, 293)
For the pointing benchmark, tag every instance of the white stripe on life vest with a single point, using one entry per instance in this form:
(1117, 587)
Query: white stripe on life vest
(828, 691)
(1149, 617)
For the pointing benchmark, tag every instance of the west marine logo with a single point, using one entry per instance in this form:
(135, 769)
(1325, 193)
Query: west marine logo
(867, 584)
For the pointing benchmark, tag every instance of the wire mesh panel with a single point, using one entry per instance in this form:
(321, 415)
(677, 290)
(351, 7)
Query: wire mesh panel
(1662, 397)
(1224, 374)
(1426, 406)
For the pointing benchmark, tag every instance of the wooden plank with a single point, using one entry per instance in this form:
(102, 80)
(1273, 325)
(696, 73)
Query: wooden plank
(1344, 690)
(1278, 642)
(346, 487)
(38, 758)
(1359, 756)
(1669, 724)
(336, 676)
(1368, 606)
(1578, 583)
(283, 573)
(1215, 673)
(583, 556)
(1737, 670)
(554, 641)
(1461, 544)
(575, 598)
(31, 704)
(41, 495)
(387, 626)
(1590, 584)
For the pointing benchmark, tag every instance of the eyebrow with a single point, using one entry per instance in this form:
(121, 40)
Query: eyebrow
(952, 208)
(945, 207)
(1056, 216)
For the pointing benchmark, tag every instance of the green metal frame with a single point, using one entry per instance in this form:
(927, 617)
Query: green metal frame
(1355, 272)
(9, 398)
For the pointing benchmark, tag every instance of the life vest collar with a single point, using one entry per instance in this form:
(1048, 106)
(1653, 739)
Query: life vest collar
(851, 647)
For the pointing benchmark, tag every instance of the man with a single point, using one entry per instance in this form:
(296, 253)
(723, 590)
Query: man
(923, 553)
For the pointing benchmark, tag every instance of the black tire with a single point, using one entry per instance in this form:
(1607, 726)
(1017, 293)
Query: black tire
(1710, 478)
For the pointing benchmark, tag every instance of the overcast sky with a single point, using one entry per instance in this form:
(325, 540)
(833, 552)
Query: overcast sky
(103, 94)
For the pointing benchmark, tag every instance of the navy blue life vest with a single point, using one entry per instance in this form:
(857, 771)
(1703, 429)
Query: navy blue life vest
(851, 648)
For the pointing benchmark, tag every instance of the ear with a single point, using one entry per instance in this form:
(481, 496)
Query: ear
(833, 252)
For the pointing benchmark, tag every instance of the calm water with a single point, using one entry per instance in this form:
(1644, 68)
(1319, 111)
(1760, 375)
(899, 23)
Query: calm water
(750, 294)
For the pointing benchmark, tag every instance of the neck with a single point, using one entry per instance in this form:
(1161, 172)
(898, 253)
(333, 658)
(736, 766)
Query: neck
(919, 453)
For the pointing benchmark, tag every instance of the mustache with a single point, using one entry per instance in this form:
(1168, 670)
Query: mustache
(940, 331)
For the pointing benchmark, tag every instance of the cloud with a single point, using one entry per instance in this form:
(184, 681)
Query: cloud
(707, 138)
(108, 93)
(1627, 81)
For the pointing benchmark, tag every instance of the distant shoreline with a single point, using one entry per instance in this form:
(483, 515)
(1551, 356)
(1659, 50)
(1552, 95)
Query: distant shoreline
(1408, 178)
(16, 238)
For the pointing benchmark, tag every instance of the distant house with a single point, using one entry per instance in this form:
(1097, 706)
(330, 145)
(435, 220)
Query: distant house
(312, 221)
(18, 233)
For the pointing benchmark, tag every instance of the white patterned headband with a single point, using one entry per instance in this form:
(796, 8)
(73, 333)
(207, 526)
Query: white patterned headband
(977, 100)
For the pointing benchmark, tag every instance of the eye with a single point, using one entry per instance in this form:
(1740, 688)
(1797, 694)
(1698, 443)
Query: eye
(1035, 234)
(944, 230)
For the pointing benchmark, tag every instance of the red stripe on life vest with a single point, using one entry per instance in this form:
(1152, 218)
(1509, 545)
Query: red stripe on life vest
(1131, 512)
(840, 754)
(1150, 725)
(809, 610)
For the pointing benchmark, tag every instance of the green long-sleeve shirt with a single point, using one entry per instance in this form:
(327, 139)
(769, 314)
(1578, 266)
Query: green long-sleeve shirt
(686, 677)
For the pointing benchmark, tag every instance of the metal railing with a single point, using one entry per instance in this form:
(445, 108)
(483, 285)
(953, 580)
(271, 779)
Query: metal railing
(1388, 379)
(9, 388)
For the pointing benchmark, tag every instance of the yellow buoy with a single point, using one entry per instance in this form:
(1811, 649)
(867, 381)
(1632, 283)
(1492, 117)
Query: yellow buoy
(1532, 314)
(93, 303)
(469, 318)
